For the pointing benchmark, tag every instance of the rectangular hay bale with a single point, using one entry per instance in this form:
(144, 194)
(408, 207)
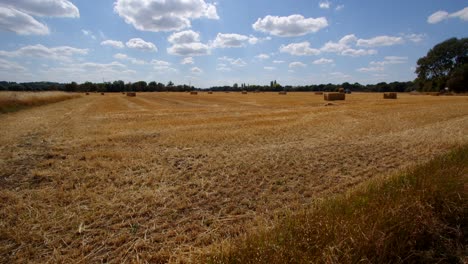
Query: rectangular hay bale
(131, 94)
(390, 95)
(334, 96)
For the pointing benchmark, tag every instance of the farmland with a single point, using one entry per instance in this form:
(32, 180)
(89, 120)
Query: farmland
(165, 176)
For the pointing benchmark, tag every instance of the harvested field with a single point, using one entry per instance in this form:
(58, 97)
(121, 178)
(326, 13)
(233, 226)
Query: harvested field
(13, 101)
(163, 176)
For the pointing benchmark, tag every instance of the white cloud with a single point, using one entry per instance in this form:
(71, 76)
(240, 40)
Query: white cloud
(262, 56)
(370, 69)
(324, 5)
(40, 51)
(196, 70)
(461, 14)
(121, 56)
(416, 38)
(322, 61)
(293, 25)
(358, 52)
(160, 63)
(10, 66)
(49, 8)
(20, 23)
(236, 62)
(140, 44)
(184, 37)
(437, 17)
(299, 49)
(269, 68)
(17, 16)
(164, 69)
(339, 7)
(380, 41)
(88, 33)
(223, 68)
(442, 15)
(278, 61)
(254, 40)
(187, 60)
(296, 64)
(233, 40)
(339, 75)
(113, 43)
(189, 49)
(157, 15)
(390, 60)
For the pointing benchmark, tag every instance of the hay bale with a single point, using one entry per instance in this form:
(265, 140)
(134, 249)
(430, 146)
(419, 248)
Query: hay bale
(244, 92)
(210, 92)
(131, 94)
(334, 96)
(193, 92)
(87, 93)
(283, 92)
(102, 93)
(341, 90)
(390, 95)
(318, 93)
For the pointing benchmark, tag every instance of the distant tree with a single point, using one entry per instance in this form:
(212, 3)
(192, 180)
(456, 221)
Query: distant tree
(170, 84)
(437, 67)
(71, 87)
(235, 86)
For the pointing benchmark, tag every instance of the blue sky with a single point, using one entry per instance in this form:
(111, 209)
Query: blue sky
(222, 42)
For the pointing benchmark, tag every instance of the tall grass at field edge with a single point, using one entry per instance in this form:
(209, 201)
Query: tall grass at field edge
(417, 216)
(13, 102)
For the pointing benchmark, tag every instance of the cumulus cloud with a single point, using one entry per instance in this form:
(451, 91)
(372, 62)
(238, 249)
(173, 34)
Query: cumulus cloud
(262, 56)
(299, 49)
(324, 5)
(164, 69)
(233, 40)
(390, 60)
(140, 44)
(189, 49)
(442, 15)
(17, 16)
(157, 15)
(160, 63)
(380, 41)
(184, 37)
(437, 17)
(269, 68)
(416, 38)
(370, 69)
(223, 68)
(113, 43)
(187, 43)
(339, 7)
(296, 64)
(188, 60)
(121, 56)
(322, 61)
(236, 62)
(293, 25)
(358, 52)
(196, 70)
(278, 61)
(40, 51)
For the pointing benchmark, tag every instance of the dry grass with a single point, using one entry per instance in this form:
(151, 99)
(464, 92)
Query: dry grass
(14, 101)
(414, 217)
(163, 176)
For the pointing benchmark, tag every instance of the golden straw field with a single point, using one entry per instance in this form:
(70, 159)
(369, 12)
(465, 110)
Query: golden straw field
(163, 177)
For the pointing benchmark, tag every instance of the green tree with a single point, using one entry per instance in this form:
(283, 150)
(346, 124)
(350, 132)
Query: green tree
(441, 62)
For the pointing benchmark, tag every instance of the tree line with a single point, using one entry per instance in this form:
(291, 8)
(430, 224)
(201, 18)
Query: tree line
(444, 66)
(142, 86)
